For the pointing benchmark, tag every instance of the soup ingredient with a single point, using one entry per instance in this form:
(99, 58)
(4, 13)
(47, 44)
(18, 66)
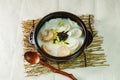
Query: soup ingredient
(45, 48)
(63, 51)
(72, 23)
(47, 36)
(63, 26)
(73, 44)
(75, 32)
(62, 36)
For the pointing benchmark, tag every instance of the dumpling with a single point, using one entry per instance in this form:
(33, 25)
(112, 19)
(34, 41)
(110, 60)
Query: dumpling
(74, 44)
(75, 32)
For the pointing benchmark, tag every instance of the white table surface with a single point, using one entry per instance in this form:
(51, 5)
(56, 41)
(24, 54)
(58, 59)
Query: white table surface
(12, 12)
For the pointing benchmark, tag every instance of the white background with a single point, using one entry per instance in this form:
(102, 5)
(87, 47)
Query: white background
(12, 12)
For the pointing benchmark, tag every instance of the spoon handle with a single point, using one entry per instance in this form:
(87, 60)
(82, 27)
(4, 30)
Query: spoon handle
(58, 71)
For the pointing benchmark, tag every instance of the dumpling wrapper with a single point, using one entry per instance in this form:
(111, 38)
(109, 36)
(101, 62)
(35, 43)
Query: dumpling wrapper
(74, 44)
(75, 32)
(63, 51)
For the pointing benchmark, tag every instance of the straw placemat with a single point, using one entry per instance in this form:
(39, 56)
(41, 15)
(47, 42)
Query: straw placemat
(92, 56)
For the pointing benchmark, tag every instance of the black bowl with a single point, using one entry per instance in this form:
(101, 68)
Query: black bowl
(87, 35)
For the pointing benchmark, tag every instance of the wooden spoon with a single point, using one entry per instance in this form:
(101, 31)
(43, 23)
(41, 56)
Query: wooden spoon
(34, 58)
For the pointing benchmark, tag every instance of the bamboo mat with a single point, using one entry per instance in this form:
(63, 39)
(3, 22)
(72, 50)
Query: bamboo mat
(93, 55)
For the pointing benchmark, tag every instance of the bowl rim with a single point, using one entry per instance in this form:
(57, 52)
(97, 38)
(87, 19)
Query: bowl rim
(64, 15)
